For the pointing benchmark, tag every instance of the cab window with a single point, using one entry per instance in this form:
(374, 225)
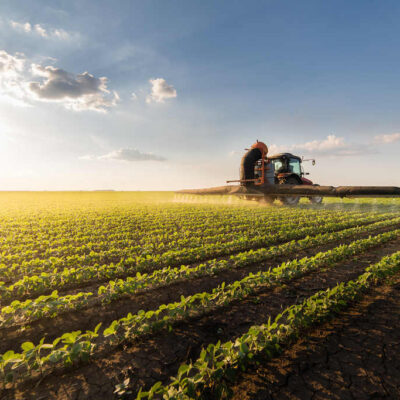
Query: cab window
(294, 166)
(277, 164)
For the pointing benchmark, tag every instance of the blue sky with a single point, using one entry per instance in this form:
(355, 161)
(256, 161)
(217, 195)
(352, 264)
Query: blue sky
(189, 85)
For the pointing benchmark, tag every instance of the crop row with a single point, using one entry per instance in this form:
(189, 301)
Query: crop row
(98, 241)
(27, 263)
(95, 242)
(39, 284)
(217, 365)
(114, 226)
(120, 232)
(53, 304)
(24, 265)
(75, 345)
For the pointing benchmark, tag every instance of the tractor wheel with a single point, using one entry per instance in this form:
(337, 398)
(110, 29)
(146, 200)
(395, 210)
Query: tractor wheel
(290, 200)
(316, 200)
(268, 199)
(250, 197)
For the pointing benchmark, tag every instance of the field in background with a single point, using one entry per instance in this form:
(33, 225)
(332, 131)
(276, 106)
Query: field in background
(68, 201)
(104, 294)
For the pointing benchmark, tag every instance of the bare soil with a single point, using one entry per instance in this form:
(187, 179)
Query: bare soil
(158, 356)
(355, 356)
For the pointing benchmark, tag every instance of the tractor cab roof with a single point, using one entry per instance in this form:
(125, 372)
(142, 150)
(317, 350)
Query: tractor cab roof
(284, 155)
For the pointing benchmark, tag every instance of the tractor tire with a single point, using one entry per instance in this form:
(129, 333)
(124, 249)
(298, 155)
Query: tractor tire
(290, 200)
(250, 197)
(268, 200)
(316, 199)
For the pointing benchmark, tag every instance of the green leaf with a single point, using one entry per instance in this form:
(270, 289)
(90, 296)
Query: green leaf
(97, 327)
(26, 346)
(183, 369)
(9, 355)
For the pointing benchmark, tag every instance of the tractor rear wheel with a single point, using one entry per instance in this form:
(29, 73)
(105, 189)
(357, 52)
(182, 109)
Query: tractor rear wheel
(268, 199)
(290, 200)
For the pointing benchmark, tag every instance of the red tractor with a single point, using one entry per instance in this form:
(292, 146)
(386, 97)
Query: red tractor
(282, 177)
(258, 170)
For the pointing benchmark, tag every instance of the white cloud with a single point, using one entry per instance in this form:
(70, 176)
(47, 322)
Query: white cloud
(88, 157)
(275, 149)
(11, 66)
(25, 27)
(40, 30)
(332, 145)
(61, 34)
(160, 91)
(78, 92)
(126, 154)
(11, 75)
(129, 154)
(337, 146)
(389, 138)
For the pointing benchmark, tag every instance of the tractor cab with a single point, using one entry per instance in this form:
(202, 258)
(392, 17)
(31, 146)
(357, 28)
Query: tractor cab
(288, 167)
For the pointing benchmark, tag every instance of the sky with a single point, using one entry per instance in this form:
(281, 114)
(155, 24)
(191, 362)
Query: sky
(163, 95)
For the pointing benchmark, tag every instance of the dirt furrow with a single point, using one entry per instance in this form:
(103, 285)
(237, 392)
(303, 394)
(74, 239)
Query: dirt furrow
(157, 357)
(355, 356)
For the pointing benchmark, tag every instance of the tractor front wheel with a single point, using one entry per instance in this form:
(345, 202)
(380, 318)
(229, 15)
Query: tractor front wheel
(316, 200)
(290, 200)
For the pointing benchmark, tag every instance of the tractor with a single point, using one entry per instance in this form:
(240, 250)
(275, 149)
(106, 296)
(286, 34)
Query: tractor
(282, 177)
(258, 170)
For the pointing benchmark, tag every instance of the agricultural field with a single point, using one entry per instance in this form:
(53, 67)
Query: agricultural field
(159, 296)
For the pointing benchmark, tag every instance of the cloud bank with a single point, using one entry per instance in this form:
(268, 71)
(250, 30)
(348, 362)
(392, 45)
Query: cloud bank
(47, 83)
(332, 145)
(160, 91)
(79, 92)
(126, 154)
(389, 138)
(11, 70)
(28, 82)
(337, 146)
(11, 66)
